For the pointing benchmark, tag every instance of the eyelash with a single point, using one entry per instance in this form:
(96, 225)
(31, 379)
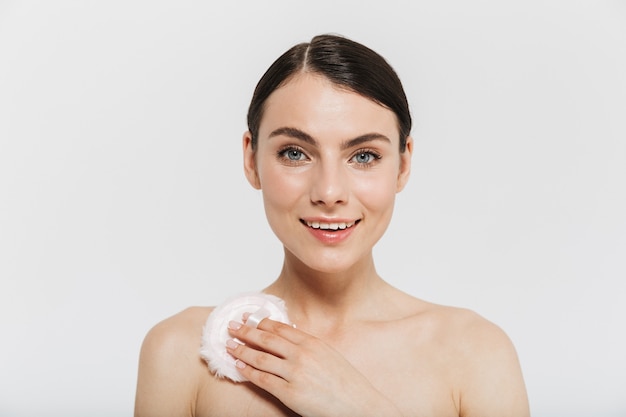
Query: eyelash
(375, 157)
(283, 152)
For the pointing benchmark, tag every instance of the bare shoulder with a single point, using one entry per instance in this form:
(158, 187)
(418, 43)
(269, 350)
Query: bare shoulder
(472, 333)
(475, 335)
(170, 367)
(460, 332)
(483, 360)
(176, 336)
(179, 324)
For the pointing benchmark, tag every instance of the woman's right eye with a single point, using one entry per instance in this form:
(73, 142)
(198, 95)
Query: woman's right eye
(292, 154)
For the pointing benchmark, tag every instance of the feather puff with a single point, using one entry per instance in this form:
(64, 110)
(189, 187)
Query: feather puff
(215, 331)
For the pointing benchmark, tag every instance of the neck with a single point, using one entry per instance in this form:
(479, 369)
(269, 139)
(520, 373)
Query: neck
(322, 301)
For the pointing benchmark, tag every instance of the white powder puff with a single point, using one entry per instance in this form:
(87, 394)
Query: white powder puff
(215, 331)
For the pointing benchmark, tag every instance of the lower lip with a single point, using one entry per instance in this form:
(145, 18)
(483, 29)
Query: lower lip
(331, 237)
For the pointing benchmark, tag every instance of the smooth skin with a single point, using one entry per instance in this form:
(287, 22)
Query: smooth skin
(361, 347)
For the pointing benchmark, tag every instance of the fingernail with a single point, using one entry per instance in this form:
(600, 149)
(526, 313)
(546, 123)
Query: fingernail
(240, 364)
(232, 344)
(234, 325)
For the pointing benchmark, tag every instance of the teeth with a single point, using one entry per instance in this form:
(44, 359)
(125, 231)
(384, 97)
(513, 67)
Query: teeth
(330, 226)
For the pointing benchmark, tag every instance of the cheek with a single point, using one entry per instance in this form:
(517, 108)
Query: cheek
(281, 189)
(377, 192)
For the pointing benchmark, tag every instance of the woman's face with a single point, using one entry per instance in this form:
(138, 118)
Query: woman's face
(328, 163)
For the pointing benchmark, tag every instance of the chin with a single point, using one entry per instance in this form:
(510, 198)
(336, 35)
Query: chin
(329, 269)
(335, 264)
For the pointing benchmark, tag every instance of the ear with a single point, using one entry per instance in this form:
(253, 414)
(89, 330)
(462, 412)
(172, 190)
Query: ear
(249, 161)
(405, 165)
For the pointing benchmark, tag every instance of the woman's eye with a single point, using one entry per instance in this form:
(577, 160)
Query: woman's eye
(364, 158)
(293, 154)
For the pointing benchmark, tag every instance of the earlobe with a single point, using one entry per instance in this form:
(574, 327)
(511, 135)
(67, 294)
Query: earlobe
(405, 165)
(249, 161)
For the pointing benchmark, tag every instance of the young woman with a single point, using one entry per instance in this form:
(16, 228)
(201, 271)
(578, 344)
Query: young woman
(329, 147)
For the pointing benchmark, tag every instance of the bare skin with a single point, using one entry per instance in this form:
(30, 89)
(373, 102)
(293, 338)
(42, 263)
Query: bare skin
(361, 347)
(426, 360)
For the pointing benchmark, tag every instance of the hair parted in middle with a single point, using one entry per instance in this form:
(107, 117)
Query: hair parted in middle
(344, 62)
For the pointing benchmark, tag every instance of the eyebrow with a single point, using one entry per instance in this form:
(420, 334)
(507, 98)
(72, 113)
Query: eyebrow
(305, 137)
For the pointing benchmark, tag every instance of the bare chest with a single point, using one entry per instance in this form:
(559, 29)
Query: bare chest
(414, 377)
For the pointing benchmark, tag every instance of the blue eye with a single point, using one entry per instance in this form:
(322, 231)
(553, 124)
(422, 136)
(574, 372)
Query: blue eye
(292, 154)
(364, 158)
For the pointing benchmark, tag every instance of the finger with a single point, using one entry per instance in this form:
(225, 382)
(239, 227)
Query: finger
(286, 331)
(261, 339)
(267, 381)
(260, 360)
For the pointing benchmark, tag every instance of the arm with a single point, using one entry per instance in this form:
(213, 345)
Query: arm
(493, 385)
(165, 384)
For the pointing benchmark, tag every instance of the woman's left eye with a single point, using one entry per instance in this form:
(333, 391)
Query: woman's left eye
(365, 158)
(294, 154)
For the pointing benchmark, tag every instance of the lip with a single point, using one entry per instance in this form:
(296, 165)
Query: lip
(330, 236)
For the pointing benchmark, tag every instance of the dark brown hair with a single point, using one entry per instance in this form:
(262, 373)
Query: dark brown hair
(344, 62)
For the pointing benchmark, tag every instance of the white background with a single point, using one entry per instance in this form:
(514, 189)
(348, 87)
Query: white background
(122, 198)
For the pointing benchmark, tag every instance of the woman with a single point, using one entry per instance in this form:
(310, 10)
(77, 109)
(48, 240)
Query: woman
(329, 147)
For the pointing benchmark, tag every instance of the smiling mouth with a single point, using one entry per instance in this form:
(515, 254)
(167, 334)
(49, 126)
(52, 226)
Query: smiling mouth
(331, 226)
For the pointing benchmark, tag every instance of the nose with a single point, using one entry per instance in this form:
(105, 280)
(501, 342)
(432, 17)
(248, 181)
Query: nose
(329, 185)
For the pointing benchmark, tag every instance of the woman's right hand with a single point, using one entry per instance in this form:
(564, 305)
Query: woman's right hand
(304, 372)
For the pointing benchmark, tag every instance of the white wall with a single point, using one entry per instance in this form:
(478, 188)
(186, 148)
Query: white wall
(122, 198)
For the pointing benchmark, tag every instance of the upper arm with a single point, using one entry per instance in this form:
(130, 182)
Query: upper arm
(165, 383)
(493, 385)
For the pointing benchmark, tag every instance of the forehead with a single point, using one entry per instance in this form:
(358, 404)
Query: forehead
(314, 104)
